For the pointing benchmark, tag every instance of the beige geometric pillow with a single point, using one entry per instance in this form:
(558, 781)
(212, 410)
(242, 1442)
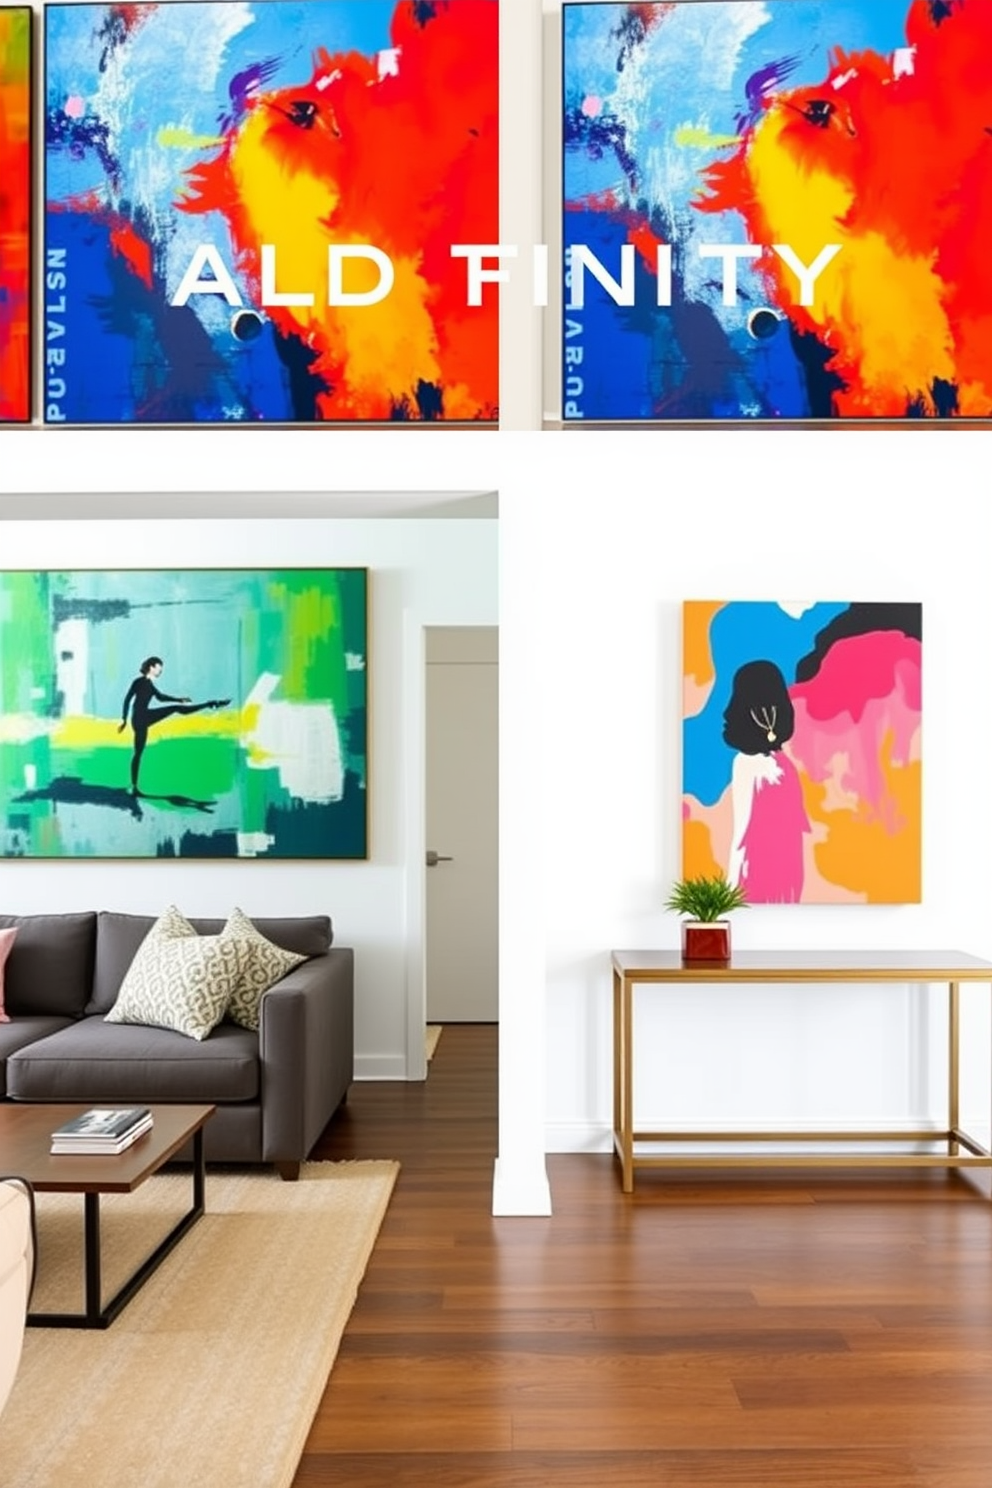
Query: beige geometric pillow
(184, 983)
(172, 925)
(264, 965)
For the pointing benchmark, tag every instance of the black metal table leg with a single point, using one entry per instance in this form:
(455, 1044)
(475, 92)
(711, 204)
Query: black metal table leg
(95, 1316)
(91, 1257)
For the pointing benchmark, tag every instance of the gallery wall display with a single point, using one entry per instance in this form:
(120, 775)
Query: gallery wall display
(250, 210)
(801, 758)
(15, 214)
(793, 200)
(207, 713)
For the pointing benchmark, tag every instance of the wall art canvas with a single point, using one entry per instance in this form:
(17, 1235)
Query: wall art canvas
(802, 755)
(205, 713)
(15, 213)
(231, 189)
(795, 197)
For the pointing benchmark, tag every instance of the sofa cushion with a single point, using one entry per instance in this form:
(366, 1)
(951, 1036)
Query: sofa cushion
(7, 938)
(183, 982)
(265, 963)
(50, 968)
(118, 937)
(22, 1031)
(96, 1061)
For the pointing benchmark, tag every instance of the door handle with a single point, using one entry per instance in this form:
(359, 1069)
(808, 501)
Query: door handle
(433, 858)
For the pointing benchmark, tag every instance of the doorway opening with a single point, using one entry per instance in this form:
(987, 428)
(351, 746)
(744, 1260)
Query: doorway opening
(461, 798)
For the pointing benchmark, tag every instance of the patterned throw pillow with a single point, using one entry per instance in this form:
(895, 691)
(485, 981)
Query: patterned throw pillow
(180, 980)
(264, 965)
(7, 938)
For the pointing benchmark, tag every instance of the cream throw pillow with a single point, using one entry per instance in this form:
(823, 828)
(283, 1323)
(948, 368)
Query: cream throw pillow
(264, 965)
(180, 980)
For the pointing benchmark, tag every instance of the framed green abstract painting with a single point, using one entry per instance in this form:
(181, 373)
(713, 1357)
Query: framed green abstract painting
(199, 713)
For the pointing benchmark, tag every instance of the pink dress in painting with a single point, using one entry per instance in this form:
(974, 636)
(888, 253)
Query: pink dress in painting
(772, 871)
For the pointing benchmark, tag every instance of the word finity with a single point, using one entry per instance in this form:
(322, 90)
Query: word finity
(207, 273)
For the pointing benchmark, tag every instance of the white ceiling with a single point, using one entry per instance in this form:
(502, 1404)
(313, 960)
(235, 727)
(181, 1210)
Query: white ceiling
(241, 505)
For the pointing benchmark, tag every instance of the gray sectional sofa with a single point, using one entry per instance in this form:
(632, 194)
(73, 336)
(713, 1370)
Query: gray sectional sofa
(275, 1090)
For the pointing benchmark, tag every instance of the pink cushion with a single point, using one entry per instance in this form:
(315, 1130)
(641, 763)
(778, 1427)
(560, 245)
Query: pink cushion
(6, 941)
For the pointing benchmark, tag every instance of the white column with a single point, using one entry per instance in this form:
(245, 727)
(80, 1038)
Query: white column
(520, 1184)
(520, 212)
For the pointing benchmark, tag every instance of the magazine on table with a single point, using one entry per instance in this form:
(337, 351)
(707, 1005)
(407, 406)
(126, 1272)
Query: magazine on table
(102, 1130)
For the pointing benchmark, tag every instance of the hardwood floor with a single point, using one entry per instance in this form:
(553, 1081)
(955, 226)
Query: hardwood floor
(705, 1332)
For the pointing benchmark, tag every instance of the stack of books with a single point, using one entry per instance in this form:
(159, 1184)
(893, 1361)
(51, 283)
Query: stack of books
(102, 1130)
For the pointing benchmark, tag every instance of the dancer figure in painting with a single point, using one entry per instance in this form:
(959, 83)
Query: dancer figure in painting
(769, 818)
(143, 716)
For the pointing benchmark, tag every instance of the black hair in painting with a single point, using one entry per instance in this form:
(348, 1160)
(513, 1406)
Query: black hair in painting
(759, 705)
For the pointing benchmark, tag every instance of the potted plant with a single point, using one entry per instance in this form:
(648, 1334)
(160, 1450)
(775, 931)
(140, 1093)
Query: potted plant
(705, 902)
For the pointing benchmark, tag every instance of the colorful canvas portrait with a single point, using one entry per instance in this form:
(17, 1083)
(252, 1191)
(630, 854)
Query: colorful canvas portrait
(797, 195)
(15, 212)
(184, 714)
(801, 759)
(250, 210)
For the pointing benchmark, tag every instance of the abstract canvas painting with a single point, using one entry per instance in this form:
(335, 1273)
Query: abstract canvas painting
(205, 713)
(15, 212)
(250, 211)
(801, 760)
(792, 200)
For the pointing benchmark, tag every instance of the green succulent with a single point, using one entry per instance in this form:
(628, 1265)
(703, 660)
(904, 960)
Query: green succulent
(706, 899)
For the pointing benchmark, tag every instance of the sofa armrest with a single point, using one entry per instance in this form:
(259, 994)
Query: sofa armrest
(307, 1052)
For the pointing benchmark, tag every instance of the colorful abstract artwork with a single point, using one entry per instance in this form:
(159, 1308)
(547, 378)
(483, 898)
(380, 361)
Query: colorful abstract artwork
(792, 200)
(184, 714)
(250, 211)
(15, 213)
(801, 753)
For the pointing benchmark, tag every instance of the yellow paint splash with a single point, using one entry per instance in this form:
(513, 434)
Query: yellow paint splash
(692, 137)
(885, 308)
(178, 137)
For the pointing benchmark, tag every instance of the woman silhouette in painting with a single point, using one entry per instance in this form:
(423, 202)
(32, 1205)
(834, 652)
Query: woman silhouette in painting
(143, 716)
(766, 853)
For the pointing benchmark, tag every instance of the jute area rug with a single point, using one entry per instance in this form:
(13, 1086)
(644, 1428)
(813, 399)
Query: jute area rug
(213, 1373)
(432, 1035)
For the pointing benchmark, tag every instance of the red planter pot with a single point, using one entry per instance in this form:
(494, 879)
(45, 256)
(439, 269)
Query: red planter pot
(705, 941)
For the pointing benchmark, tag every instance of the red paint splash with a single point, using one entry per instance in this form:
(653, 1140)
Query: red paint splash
(124, 20)
(15, 196)
(408, 154)
(652, 13)
(647, 244)
(134, 250)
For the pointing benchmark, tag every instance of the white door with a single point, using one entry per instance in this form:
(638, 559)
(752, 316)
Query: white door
(462, 771)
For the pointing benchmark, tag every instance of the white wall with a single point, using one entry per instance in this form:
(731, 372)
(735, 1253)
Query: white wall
(633, 525)
(423, 572)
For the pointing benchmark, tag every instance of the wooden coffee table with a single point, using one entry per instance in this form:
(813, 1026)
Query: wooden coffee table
(25, 1142)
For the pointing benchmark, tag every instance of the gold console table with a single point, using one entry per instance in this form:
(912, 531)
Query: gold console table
(632, 968)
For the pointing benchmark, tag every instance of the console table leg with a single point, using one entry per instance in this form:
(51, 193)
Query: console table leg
(953, 1070)
(617, 1059)
(627, 1076)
